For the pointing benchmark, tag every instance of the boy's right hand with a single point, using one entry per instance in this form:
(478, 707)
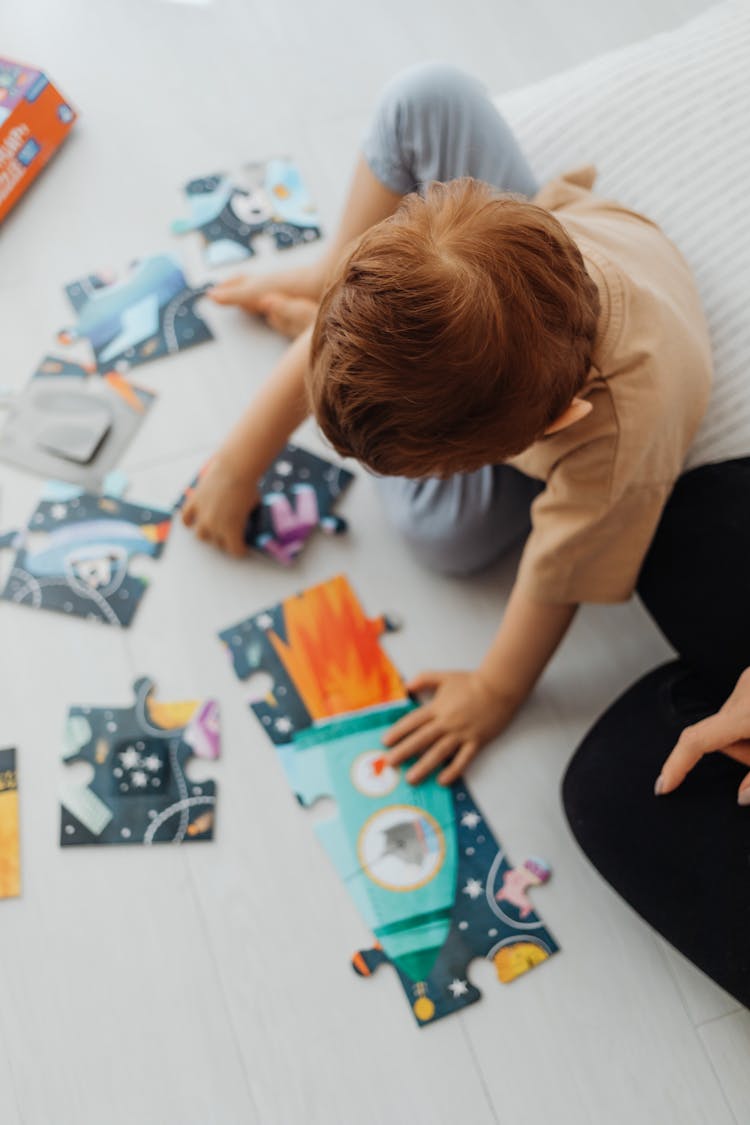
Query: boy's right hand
(219, 506)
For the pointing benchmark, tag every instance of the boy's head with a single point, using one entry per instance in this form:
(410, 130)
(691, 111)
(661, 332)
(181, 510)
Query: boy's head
(454, 334)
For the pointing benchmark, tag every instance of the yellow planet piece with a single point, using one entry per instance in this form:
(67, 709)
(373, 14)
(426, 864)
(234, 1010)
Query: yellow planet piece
(513, 960)
(424, 1009)
(169, 716)
(10, 874)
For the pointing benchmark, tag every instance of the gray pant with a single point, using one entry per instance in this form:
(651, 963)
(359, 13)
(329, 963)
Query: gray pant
(433, 122)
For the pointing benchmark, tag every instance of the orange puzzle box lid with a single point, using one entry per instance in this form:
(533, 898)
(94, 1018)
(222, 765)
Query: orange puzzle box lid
(34, 121)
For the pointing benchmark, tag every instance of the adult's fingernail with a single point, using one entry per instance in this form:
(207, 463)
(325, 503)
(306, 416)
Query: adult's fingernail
(743, 798)
(658, 785)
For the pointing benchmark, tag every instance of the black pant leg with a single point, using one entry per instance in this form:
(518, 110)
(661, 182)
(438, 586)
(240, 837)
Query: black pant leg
(682, 861)
(695, 581)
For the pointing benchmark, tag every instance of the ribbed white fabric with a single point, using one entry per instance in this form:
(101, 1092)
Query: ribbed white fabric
(667, 124)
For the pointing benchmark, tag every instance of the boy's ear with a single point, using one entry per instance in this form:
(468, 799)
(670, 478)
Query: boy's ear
(577, 410)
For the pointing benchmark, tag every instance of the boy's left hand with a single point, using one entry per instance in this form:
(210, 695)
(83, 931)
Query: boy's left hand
(463, 715)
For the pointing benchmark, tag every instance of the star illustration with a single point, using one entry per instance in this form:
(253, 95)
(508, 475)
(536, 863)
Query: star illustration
(130, 758)
(139, 779)
(283, 468)
(458, 988)
(264, 621)
(473, 888)
(283, 725)
(470, 819)
(58, 511)
(152, 762)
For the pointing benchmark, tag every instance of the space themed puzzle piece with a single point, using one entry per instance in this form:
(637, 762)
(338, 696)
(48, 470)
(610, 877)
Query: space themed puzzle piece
(10, 871)
(140, 792)
(297, 495)
(147, 314)
(74, 557)
(232, 210)
(322, 654)
(71, 423)
(420, 862)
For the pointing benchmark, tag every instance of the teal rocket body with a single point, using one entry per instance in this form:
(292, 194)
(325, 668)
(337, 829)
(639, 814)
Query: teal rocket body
(393, 844)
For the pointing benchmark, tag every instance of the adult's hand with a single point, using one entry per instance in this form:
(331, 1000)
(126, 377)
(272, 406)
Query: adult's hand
(728, 731)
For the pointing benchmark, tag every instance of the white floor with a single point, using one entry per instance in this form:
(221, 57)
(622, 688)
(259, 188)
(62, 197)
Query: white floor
(212, 984)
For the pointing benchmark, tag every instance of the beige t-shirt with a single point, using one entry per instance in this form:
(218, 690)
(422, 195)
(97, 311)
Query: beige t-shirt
(608, 476)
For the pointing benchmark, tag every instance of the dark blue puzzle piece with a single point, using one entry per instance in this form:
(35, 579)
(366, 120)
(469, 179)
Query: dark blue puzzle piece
(508, 933)
(232, 212)
(81, 566)
(148, 314)
(297, 496)
(140, 792)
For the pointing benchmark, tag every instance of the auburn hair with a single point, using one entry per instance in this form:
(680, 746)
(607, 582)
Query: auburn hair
(453, 334)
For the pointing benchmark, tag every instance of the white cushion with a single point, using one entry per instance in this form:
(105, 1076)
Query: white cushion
(667, 123)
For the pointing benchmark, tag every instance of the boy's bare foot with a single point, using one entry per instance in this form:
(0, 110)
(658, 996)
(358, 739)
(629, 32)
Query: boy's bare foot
(246, 291)
(288, 315)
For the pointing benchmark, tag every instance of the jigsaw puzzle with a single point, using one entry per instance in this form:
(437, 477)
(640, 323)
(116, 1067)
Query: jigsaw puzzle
(232, 211)
(147, 314)
(297, 495)
(420, 862)
(10, 871)
(140, 792)
(71, 424)
(75, 554)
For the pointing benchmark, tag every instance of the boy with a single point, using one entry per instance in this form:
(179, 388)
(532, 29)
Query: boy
(467, 346)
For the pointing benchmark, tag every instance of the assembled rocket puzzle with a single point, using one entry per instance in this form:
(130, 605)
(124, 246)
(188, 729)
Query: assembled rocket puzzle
(10, 872)
(420, 862)
(140, 792)
(297, 495)
(75, 554)
(233, 211)
(147, 314)
(72, 424)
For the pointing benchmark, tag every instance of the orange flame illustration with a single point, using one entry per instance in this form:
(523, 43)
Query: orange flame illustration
(332, 654)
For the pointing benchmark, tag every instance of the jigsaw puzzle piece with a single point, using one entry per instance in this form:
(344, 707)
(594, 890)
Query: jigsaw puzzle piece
(10, 868)
(297, 495)
(81, 565)
(72, 423)
(232, 211)
(140, 792)
(148, 314)
(229, 215)
(322, 654)
(510, 935)
(393, 844)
